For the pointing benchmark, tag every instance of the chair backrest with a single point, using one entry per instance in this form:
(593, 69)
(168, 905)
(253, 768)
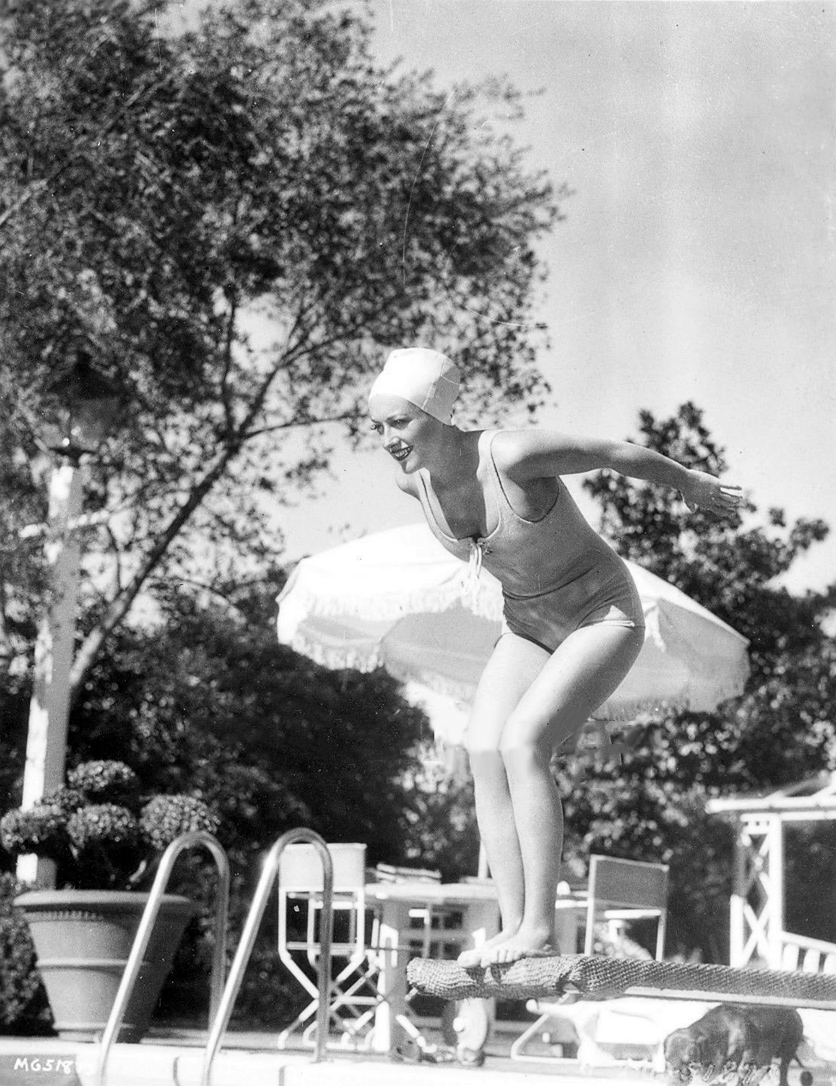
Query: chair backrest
(395, 874)
(617, 884)
(301, 882)
(300, 868)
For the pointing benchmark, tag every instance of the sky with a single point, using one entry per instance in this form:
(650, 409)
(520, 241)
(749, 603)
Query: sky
(697, 260)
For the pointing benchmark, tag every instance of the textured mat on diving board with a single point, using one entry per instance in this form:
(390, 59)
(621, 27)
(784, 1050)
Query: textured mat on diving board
(576, 976)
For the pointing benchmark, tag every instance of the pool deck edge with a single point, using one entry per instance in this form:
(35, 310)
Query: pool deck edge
(167, 1064)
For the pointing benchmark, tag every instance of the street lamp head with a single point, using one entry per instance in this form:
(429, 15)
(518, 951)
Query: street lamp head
(86, 405)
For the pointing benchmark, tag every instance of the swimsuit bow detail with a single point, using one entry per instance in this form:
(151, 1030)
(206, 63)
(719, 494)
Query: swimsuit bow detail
(474, 564)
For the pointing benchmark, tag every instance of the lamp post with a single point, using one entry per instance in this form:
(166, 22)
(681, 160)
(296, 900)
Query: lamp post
(85, 404)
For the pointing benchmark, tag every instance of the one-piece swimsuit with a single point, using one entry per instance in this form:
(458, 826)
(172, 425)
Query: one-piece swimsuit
(557, 573)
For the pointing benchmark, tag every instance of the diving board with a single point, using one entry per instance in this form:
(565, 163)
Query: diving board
(570, 977)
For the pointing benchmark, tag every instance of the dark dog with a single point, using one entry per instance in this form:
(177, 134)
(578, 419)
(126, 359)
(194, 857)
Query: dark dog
(739, 1039)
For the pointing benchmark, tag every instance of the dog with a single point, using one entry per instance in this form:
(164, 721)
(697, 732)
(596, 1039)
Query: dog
(735, 1040)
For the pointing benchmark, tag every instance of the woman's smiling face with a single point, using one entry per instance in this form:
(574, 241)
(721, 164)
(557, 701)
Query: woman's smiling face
(406, 432)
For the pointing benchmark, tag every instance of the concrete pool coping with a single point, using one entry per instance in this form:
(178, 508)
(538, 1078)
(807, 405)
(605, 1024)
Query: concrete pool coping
(253, 1060)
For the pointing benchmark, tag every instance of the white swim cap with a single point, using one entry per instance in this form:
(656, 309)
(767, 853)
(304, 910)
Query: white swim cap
(425, 378)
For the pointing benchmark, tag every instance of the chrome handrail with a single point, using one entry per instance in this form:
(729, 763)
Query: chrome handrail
(146, 926)
(248, 936)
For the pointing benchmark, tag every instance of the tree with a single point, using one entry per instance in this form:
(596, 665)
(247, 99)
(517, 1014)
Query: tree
(209, 702)
(731, 566)
(236, 221)
(205, 701)
(212, 704)
(783, 728)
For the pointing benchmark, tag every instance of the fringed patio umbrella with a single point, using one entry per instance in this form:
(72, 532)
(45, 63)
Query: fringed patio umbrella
(397, 599)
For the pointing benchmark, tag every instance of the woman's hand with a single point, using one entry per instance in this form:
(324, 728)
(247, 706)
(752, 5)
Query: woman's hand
(704, 491)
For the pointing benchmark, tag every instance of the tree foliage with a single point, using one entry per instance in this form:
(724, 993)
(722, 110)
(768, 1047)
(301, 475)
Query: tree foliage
(235, 221)
(210, 703)
(781, 731)
(732, 566)
(23, 1003)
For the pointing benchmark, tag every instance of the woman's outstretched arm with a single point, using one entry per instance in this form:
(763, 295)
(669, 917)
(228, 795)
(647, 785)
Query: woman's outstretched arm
(526, 455)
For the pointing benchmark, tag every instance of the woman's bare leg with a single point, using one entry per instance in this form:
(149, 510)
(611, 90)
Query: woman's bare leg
(513, 666)
(574, 681)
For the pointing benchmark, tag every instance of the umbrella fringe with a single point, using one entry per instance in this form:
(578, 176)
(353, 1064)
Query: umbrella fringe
(626, 712)
(434, 601)
(337, 658)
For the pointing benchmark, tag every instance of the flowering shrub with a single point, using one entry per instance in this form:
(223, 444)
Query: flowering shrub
(100, 830)
(165, 818)
(23, 1006)
(43, 830)
(103, 825)
(105, 780)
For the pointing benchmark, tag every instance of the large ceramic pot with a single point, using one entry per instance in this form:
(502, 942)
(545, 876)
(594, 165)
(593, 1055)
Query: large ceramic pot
(83, 939)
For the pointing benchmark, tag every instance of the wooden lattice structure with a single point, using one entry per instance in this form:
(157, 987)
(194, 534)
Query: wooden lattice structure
(757, 902)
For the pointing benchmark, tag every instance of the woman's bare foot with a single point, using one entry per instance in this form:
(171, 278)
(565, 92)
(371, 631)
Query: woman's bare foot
(475, 956)
(521, 945)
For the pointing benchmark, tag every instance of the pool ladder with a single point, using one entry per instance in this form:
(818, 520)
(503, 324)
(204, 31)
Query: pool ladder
(223, 996)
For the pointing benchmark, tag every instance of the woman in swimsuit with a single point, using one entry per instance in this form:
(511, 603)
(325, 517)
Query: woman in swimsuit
(572, 625)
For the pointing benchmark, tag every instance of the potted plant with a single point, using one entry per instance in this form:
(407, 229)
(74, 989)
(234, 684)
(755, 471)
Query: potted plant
(104, 836)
